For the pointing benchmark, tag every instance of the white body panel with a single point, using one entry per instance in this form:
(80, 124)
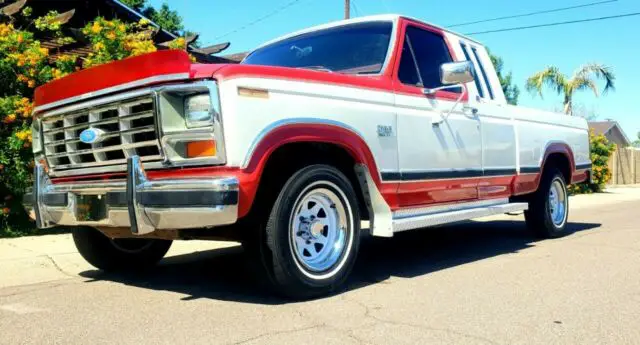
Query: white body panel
(246, 120)
(460, 142)
(499, 138)
(538, 129)
(455, 144)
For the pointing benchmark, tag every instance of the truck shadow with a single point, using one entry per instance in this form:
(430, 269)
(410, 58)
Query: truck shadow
(225, 274)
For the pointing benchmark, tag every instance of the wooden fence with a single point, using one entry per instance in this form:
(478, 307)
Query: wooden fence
(625, 166)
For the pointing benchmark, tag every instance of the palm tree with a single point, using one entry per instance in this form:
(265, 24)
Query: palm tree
(582, 79)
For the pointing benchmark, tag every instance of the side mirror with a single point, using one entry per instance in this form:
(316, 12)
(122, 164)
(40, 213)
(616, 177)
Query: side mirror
(453, 75)
(457, 72)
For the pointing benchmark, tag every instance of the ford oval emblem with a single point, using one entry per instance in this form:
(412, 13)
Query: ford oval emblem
(91, 135)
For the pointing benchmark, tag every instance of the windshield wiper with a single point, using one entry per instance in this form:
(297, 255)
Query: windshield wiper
(317, 68)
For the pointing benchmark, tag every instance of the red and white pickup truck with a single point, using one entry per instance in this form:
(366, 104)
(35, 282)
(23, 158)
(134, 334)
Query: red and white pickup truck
(385, 119)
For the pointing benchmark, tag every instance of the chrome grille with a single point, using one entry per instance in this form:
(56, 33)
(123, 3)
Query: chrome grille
(129, 129)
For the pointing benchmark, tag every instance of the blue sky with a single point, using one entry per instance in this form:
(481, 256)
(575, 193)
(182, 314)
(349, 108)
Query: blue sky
(612, 42)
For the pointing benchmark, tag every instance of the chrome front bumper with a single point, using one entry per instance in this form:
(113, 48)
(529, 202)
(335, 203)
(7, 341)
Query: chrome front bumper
(139, 203)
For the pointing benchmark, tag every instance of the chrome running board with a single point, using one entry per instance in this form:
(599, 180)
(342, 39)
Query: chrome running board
(437, 215)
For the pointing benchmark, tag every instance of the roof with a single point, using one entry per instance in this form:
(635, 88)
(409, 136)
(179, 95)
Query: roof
(603, 127)
(139, 16)
(381, 17)
(77, 13)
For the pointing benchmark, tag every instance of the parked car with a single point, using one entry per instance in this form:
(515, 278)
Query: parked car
(385, 118)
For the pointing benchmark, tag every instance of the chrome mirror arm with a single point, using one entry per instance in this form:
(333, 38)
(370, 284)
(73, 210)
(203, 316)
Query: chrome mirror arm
(428, 91)
(443, 117)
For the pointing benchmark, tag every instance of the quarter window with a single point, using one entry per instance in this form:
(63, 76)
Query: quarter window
(423, 53)
(484, 74)
(475, 79)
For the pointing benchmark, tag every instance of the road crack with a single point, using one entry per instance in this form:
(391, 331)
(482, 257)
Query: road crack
(269, 334)
(45, 255)
(369, 314)
(57, 267)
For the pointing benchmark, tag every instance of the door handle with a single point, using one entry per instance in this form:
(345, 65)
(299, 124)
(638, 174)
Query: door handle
(469, 110)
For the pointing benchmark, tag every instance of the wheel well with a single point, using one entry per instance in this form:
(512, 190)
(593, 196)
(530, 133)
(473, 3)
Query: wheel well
(289, 158)
(561, 162)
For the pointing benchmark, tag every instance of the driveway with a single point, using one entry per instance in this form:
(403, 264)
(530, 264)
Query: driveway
(484, 282)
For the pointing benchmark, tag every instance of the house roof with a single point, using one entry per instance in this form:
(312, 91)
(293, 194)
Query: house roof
(137, 16)
(603, 127)
(84, 11)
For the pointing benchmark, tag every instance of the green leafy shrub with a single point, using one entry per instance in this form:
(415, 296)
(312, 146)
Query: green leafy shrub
(25, 65)
(601, 150)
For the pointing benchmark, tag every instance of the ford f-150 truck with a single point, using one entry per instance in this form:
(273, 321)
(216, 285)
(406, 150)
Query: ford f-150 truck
(384, 119)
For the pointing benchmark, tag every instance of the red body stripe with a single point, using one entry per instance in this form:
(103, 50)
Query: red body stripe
(526, 183)
(298, 74)
(579, 176)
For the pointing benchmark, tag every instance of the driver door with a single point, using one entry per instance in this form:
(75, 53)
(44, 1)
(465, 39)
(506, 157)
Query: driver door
(437, 161)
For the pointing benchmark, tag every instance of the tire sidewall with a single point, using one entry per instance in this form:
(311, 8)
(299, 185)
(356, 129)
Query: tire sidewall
(289, 271)
(555, 230)
(100, 251)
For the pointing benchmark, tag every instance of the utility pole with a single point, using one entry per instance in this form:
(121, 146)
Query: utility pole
(347, 9)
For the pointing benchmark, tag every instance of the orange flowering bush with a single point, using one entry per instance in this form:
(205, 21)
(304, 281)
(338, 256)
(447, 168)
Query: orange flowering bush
(24, 65)
(115, 40)
(601, 150)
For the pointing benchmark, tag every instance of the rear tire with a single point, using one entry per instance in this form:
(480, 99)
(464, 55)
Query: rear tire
(310, 241)
(125, 254)
(549, 206)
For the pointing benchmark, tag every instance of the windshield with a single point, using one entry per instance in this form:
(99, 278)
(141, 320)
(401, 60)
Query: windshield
(357, 49)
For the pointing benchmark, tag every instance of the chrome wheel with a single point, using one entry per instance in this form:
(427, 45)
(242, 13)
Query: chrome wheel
(320, 230)
(558, 203)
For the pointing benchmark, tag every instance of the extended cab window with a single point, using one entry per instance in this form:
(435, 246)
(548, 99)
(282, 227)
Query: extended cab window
(422, 54)
(476, 80)
(484, 73)
(356, 49)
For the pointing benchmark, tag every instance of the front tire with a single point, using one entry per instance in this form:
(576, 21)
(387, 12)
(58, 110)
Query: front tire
(549, 206)
(312, 233)
(125, 254)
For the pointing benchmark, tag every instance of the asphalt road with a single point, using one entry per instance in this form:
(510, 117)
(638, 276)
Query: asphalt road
(487, 282)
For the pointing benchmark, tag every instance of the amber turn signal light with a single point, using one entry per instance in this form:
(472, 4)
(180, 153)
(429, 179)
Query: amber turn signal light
(202, 148)
(44, 164)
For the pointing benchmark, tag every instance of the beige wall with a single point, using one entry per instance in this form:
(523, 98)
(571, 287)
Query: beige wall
(625, 166)
(615, 137)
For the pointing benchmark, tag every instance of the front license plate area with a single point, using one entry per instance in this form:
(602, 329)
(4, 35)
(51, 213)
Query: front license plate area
(91, 208)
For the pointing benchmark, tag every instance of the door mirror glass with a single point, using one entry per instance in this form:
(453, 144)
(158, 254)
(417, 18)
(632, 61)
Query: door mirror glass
(452, 73)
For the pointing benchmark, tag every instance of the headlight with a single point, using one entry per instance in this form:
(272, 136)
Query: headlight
(198, 112)
(190, 123)
(35, 136)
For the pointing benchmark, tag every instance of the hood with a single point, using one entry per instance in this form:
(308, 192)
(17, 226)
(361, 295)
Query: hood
(159, 67)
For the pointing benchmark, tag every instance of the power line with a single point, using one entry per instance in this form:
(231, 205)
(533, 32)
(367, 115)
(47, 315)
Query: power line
(534, 13)
(258, 20)
(554, 24)
(356, 9)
